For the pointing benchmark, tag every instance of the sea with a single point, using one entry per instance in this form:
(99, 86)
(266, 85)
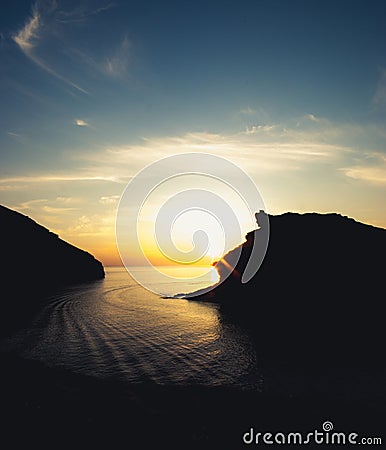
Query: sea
(115, 328)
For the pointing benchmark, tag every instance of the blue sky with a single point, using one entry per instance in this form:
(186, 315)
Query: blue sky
(293, 92)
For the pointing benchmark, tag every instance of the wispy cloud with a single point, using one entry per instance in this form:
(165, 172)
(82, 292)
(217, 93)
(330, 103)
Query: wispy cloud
(247, 111)
(66, 200)
(53, 209)
(257, 114)
(58, 178)
(372, 169)
(81, 13)
(380, 92)
(30, 204)
(32, 34)
(92, 225)
(14, 135)
(312, 117)
(27, 36)
(4, 187)
(109, 199)
(259, 128)
(117, 64)
(376, 175)
(49, 212)
(47, 32)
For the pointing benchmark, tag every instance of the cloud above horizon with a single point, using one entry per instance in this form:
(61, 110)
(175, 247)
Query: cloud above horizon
(263, 150)
(81, 123)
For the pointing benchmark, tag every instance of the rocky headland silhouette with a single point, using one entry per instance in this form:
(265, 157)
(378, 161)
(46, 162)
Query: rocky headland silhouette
(318, 299)
(35, 262)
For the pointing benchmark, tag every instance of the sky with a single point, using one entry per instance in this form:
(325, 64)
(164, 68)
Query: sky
(294, 93)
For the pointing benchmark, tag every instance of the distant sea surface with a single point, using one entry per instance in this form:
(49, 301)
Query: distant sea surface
(114, 328)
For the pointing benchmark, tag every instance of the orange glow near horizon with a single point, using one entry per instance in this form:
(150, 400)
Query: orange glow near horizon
(109, 256)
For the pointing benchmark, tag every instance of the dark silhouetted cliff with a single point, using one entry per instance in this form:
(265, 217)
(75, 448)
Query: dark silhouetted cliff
(319, 296)
(34, 262)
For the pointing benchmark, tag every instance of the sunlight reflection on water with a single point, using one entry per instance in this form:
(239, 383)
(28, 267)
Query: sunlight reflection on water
(178, 279)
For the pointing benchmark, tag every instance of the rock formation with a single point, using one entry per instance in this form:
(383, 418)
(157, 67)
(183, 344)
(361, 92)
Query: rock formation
(34, 262)
(319, 295)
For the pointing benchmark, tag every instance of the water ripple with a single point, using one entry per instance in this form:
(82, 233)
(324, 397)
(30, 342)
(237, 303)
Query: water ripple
(116, 329)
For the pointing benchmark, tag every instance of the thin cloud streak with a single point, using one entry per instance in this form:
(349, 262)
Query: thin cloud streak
(243, 147)
(54, 178)
(80, 14)
(14, 135)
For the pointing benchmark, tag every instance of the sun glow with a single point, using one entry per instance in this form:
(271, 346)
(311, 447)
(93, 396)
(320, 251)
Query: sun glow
(169, 233)
(196, 239)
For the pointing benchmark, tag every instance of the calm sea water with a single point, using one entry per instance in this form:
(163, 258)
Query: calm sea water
(114, 328)
(171, 281)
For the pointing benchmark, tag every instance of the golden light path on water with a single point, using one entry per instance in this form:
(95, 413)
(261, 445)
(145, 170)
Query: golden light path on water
(175, 279)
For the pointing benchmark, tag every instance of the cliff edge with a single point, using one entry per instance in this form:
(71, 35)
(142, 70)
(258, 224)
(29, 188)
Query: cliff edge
(35, 261)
